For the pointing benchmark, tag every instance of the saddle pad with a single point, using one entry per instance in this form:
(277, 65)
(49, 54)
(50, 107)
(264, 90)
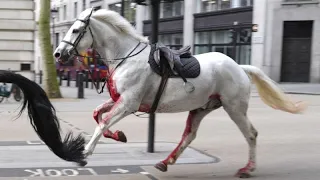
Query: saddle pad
(190, 66)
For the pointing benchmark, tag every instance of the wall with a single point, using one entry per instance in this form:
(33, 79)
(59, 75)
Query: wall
(270, 15)
(17, 26)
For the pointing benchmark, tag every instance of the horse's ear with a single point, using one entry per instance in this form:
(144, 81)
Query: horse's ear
(88, 17)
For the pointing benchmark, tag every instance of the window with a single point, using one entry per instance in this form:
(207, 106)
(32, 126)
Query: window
(83, 5)
(25, 67)
(172, 41)
(171, 9)
(75, 10)
(64, 12)
(97, 7)
(220, 41)
(129, 9)
(59, 14)
(57, 40)
(213, 5)
(244, 3)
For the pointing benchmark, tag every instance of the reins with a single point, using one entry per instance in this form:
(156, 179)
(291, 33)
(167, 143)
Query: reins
(108, 72)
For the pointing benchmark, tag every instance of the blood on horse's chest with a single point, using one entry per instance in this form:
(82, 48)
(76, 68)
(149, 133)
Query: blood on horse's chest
(113, 90)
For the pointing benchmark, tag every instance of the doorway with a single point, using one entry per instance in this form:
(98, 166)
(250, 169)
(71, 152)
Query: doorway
(296, 51)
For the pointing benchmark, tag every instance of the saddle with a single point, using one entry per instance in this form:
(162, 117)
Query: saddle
(168, 63)
(181, 62)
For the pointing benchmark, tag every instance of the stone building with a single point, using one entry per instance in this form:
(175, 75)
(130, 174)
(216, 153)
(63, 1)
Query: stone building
(17, 27)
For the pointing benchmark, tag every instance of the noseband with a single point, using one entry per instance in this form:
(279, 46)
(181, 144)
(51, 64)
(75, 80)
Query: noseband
(81, 34)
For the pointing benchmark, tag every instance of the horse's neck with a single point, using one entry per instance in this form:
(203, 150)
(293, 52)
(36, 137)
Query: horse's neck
(115, 44)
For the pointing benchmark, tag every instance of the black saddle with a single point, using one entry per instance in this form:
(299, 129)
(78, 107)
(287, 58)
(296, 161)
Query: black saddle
(180, 62)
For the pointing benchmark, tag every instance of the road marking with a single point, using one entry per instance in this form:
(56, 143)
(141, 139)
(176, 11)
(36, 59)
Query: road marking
(70, 171)
(58, 172)
(122, 171)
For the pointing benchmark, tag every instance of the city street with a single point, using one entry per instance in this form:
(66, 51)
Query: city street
(287, 149)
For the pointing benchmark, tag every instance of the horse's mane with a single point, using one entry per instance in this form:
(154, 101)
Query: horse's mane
(118, 22)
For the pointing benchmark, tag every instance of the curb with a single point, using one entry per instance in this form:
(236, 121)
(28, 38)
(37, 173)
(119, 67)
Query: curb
(304, 93)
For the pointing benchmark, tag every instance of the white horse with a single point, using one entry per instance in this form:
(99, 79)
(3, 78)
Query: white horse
(133, 84)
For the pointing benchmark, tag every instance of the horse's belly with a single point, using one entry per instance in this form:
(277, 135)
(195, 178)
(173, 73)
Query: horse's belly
(176, 99)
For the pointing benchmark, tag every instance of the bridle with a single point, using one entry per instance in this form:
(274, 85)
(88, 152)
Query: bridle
(74, 45)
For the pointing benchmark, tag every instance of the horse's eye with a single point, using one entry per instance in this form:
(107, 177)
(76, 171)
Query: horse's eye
(75, 31)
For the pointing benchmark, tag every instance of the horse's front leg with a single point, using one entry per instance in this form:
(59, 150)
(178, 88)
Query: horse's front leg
(97, 115)
(116, 113)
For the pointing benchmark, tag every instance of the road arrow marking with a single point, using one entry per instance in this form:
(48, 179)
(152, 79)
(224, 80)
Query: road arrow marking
(122, 171)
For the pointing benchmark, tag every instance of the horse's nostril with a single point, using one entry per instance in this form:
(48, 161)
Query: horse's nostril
(57, 55)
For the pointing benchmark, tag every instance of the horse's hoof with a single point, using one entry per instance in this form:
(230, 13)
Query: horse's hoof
(161, 167)
(122, 137)
(82, 163)
(242, 174)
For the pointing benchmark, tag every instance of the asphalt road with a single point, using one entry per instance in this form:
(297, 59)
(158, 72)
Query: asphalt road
(288, 145)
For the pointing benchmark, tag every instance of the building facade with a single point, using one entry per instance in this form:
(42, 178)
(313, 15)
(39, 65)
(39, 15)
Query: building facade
(205, 25)
(287, 44)
(61, 21)
(17, 26)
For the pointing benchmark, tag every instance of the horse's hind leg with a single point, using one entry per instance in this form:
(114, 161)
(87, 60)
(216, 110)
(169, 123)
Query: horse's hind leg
(188, 136)
(97, 115)
(238, 113)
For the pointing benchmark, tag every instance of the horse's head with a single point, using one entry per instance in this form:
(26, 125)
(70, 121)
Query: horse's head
(78, 38)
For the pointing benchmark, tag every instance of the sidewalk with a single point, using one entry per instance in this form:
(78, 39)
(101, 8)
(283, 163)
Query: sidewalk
(292, 88)
(298, 88)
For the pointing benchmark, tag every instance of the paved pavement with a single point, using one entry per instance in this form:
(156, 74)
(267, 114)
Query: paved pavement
(288, 145)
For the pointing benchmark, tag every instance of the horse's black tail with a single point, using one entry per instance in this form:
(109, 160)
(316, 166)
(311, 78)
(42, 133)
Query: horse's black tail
(44, 120)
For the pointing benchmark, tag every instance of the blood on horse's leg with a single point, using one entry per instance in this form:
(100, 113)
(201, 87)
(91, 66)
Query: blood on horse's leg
(188, 136)
(118, 135)
(97, 115)
(239, 116)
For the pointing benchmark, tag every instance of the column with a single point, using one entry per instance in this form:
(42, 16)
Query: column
(140, 17)
(235, 3)
(188, 33)
(258, 38)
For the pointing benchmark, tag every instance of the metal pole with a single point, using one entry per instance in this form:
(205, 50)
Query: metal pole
(122, 7)
(155, 6)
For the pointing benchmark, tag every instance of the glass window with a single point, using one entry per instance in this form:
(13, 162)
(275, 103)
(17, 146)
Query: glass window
(201, 49)
(171, 9)
(213, 5)
(173, 41)
(208, 5)
(220, 41)
(202, 38)
(244, 3)
(244, 54)
(115, 7)
(64, 12)
(220, 37)
(225, 4)
(228, 50)
(75, 10)
(83, 5)
(177, 39)
(244, 36)
(165, 39)
(129, 9)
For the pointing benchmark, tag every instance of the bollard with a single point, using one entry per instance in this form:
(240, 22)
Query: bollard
(92, 83)
(40, 78)
(68, 78)
(60, 76)
(98, 79)
(87, 78)
(80, 85)
(77, 79)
